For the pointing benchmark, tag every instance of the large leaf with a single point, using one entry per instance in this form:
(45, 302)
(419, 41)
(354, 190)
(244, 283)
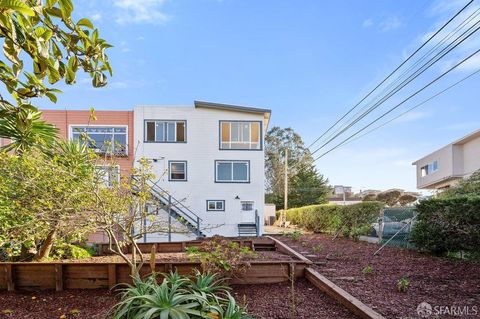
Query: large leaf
(66, 6)
(85, 22)
(18, 6)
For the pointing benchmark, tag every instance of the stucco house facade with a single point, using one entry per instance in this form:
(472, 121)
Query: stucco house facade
(208, 160)
(448, 165)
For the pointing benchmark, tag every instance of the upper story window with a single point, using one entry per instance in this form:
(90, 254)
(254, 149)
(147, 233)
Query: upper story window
(163, 131)
(429, 169)
(177, 171)
(103, 139)
(240, 135)
(232, 171)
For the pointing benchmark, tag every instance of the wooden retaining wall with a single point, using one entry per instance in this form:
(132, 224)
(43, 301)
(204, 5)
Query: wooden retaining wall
(60, 276)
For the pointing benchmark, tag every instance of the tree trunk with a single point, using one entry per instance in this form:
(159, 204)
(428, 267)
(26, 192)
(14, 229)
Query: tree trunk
(47, 245)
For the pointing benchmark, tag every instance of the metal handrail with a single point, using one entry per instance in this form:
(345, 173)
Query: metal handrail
(155, 184)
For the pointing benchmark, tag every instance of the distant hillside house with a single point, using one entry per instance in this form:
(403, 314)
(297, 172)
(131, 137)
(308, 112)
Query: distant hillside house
(448, 165)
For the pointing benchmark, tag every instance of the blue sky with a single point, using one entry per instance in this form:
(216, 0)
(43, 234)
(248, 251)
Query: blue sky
(309, 61)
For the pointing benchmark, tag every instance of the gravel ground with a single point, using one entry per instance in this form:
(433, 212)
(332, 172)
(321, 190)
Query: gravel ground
(437, 281)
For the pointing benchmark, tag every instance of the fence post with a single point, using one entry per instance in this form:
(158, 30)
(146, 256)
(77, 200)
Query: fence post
(257, 223)
(9, 275)
(58, 277)
(112, 275)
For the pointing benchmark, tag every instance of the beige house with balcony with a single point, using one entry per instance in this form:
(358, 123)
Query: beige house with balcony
(446, 166)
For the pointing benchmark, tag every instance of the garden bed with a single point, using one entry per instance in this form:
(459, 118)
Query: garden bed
(268, 301)
(438, 281)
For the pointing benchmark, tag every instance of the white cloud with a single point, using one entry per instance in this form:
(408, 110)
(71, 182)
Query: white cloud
(367, 23)
(96, 16)
(137, 11)
(390, 23)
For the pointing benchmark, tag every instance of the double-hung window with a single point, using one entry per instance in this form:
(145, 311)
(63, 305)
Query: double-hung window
(232, 171)
(102, 139)
(165, 131)
(177, 171)
(240, 135)
(216, 205)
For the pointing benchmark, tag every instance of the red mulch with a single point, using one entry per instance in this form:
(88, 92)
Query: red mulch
(273, 301)
(91, 304)
(438, 281)
(263, 301)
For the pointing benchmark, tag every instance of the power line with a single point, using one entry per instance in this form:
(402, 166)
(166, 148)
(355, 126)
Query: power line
(393, 72)
(414, 107)
(412, 77)
(398, 105)
(397, 80)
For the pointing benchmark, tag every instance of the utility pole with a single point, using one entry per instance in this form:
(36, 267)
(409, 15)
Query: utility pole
(285, 196)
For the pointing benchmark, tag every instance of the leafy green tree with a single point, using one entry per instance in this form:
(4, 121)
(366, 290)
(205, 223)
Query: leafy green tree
(44, 198)
(406, 199)
(469, 186)
(389, 197)
(42, 43)
(306, 185)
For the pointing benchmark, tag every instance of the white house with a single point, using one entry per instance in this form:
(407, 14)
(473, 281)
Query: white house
(446, 166)
(210, 159)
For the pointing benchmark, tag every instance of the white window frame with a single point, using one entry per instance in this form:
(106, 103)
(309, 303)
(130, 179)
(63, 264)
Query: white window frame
(247, 143)
(72, 126)
(247, 202)
(429, 168)
(109, 181)
(232, 162)
(170, 171)
(216, 201)
(165, 131)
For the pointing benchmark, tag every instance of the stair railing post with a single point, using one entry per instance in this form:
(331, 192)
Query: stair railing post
(198, 227)
(257, 223)
(169, 218)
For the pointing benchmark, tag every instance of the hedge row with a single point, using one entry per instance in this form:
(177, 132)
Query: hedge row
(349, 221)
(446, 225)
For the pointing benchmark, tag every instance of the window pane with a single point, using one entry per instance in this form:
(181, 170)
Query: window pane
(170, 131)
(224, 171)
(255, 128)
(235, 137)
(180, 131)
(211, 205)
(245, 127)
(120, 143)
(150, 131)
(247, 206)
(225, 132)
(159, 137)
(219, 205)
(240, 172)
(178, 171)
(100, 142)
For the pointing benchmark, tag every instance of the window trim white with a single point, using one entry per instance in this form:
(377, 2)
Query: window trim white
(247, 201)
(110, 166)
(71, 126)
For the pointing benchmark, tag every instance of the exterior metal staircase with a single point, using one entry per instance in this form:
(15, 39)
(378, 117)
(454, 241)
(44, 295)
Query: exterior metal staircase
(176, 210)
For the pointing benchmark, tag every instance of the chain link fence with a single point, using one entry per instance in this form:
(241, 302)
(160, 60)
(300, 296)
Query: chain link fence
(394, 226)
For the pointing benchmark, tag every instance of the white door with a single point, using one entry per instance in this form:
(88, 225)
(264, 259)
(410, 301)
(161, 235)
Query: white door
(247, 211)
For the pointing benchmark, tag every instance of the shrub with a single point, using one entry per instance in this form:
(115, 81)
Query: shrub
(403, 284)
(200, 296)
(220, 255)
(448, 224)
(351, 221)
(69, 251)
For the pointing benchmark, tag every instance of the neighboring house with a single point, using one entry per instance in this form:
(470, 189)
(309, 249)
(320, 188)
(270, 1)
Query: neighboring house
(346, 202)
(208, 160)
(446, 166)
